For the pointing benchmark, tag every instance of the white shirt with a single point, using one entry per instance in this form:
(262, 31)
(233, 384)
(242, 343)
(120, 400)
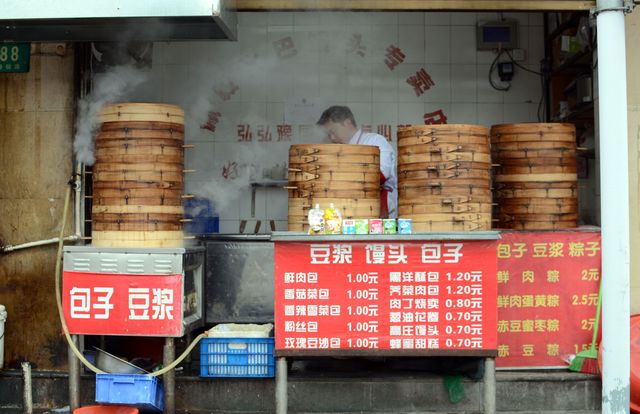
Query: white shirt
(387, 165)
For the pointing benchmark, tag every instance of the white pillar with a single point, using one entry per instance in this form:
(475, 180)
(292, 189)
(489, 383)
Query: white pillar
(614, 179)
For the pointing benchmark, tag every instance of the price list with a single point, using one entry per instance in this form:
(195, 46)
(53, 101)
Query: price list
(547, 296)
(409, 296)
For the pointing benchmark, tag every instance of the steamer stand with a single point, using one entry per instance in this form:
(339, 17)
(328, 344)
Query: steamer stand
(137, 278)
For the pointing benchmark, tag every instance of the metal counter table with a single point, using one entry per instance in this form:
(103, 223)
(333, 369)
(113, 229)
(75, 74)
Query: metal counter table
(358, 272)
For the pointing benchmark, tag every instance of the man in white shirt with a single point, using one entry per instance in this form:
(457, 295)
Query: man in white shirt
(341, 128)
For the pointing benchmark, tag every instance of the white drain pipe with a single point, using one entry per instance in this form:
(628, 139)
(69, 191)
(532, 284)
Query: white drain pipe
(77, 186)
(614, 179)
(3, 319)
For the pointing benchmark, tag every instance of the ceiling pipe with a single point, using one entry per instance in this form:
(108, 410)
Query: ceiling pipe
(614, 184)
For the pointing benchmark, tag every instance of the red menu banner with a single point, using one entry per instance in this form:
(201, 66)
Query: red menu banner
(547, 296)
(409, 296)
(119, 304)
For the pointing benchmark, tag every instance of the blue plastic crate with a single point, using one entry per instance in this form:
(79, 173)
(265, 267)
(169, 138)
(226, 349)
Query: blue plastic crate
(237, 357)
(204, 219)
(143, 391)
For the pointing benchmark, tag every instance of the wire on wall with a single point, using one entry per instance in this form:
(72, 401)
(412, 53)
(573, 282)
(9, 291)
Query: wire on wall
(492, 69)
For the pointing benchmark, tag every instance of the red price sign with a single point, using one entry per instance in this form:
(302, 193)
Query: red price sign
(403, 296)
(547, 296)
(118, 304)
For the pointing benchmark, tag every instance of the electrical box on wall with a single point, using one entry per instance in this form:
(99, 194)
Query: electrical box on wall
(491, 35)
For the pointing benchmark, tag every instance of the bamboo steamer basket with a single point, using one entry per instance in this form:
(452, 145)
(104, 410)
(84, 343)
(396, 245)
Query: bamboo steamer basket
(138, 177)
(535, 176)
(346, 175)
(444, 177)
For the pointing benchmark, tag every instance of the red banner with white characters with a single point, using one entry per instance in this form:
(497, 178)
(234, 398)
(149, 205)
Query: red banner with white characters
(119, 304)
(547, 295)
(381, 295)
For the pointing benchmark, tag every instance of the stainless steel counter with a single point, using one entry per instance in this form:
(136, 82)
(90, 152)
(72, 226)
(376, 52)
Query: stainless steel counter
(282, 236)
(238, 278)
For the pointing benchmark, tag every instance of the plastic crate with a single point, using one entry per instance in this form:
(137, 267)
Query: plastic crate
(237, 357)
(204, 219)
(143, 391)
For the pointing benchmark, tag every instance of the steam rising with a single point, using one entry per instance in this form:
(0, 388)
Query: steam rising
(108, 87)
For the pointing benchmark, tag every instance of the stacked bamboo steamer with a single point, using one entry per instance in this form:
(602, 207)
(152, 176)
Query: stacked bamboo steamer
(536, 179)
(444, 177)
(138, 176)
(346, 175)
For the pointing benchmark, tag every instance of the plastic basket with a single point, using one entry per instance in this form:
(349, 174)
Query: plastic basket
(237, 357)
(204, 219)
(143, 391)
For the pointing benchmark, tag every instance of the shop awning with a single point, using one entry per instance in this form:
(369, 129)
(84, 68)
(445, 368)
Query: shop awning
(99, 20)
(459, 5)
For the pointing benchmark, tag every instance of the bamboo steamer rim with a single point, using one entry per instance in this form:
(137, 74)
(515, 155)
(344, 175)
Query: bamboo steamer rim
(436, 140)
(459, 174)
(139, 111)
(438, 199)
(502, 195)
(528, 177)
(519, 162)
(534, 126)
(524, 138)
(445, 208)
(136, 226)
(135, 185)
(137, 235)
(443, 127)
(334, 200)
(539, 200)
(443, 157)
(164, 239)
(306, 194)
(523, 210)
(538, 185)
(332, 150)
(364, 176)
(524, 217)
(138, 167)
(422, 192)
(137, 209)
(333, 161)
(121, 126)
(133, 134)
(299, 168)
(444, 148)
(537, 169)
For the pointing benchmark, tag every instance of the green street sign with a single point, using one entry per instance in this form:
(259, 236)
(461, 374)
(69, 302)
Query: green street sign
(14, 57)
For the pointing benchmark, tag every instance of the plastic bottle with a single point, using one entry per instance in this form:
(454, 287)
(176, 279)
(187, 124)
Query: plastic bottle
(332, 220)
(316, 220)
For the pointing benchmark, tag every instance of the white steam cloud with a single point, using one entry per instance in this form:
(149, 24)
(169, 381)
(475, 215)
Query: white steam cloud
(108, 87)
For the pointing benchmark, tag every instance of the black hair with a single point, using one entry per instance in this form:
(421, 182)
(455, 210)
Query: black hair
(337, 114)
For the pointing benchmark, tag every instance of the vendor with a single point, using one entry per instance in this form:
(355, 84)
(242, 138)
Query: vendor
(341, 128)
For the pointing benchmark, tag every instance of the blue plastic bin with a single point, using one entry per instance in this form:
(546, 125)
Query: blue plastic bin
(204, 219)
(237, 357)
(143, 391)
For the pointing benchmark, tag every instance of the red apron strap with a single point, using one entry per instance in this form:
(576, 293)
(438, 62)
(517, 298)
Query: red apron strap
(384, 193)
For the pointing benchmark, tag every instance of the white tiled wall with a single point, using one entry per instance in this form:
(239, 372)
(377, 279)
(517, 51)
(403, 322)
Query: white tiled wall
(339, 59)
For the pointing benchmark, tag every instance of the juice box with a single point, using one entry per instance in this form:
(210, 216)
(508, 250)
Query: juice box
(348, 226)
(389, 226)
(404, 226)
(375, 226)
(362, 226)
